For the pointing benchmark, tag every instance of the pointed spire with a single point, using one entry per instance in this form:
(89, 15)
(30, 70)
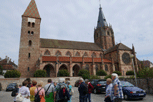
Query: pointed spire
(32, 10)
(101, 19)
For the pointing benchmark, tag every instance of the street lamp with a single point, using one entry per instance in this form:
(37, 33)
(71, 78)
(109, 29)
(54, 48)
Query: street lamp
(132, 56)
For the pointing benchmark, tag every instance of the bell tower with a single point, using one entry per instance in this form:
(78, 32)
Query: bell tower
(103, 33)
(29, 41)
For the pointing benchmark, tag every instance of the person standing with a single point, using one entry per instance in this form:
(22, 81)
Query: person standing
(83, 90)
(15, 92)
(49, 91)
(32, 91)
(90, 88)
(70, 90)
(108, 90)
(116, 93)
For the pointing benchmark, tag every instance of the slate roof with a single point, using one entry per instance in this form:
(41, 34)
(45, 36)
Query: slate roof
(64, 44)
(32, 10)
(119, 46)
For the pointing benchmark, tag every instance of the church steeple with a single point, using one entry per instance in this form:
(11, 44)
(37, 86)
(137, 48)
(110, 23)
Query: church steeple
(32, 10)
(101, 19)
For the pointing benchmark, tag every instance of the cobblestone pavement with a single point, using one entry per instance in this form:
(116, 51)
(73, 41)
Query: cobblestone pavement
(6, 97)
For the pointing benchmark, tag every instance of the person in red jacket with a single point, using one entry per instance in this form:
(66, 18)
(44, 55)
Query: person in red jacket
(90, 88)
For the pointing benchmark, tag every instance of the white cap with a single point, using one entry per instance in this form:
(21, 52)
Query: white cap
(61, 80)
(114, 74)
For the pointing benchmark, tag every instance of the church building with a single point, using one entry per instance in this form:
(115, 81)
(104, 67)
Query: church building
(53, 55)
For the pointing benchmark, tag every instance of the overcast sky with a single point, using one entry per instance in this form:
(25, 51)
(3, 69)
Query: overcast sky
(132, 22)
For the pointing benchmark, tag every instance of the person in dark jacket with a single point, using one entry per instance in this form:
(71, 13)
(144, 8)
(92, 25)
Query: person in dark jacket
(90, 88)
(83, 90)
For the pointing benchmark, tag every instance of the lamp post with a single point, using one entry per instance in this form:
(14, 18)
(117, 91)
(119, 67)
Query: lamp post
(134, 68)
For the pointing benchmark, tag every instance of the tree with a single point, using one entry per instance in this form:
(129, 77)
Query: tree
(84, 74)
(12, 74)
(62, 73)
(1, 70)
(101, 73)
(40, 73)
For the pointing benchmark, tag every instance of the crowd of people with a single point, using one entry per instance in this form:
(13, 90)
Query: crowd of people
(62, 91)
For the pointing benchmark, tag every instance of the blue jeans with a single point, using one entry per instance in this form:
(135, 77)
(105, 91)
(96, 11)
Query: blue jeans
(89, 97)
(83, 98)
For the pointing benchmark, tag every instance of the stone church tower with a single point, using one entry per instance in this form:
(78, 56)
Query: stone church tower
(103, 34)
(29, 51)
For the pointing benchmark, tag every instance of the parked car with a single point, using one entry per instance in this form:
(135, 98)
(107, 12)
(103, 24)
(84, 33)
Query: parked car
(11, 87)
(77, 83)
(132, 92)
(99, 85)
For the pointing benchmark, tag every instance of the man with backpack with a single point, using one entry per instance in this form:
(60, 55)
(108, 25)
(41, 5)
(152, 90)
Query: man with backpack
(83, 90)
(61, 91)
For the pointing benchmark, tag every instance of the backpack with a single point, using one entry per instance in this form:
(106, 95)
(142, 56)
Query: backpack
(85, 91)
(13, 94)
(63, 92)
(37, 97)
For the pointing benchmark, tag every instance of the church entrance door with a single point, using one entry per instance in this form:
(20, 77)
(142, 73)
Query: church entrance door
(50, 70)
(76, 69)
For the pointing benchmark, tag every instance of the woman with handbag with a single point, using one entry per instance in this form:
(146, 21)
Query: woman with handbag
(40, 91)
(32, 91)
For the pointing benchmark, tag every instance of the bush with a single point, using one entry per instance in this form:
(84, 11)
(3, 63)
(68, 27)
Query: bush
(62, 73)
(12, 74)
(130, 72)
(145, 73)
(94, 77)
(84, 74)
(108, 76)
(101, 73)
(40, 73)
(118, 72)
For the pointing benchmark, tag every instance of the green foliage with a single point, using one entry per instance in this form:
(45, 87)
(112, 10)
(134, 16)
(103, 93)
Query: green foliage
(130, 72)
(94, 77)
(108, 76)
(12, 74)
(101, 73)
(40, 73)
(118, 72)
(1, 70)
(62, 73)
(84, 74)
(132, 77)
(121, 77)
(145, 73)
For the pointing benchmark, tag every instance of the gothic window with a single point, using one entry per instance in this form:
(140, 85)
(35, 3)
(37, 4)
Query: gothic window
(77, 54)
(58, 53)
(85, 54)
(93, 54)
(29, 55)
(32, 33)
(29, 32)
(106, 67)
(30, 42)
(33, 24)
(47, 53)
(68, 53)
(87, 67)
(29, 24)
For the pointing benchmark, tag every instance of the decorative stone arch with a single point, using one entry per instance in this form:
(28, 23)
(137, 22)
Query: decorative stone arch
(47, 53)
(85, 54)
(50, 70)
(68, 53)
(93, 54)
(76, 69)
(63, 66)
(77, 54)
(58, 53)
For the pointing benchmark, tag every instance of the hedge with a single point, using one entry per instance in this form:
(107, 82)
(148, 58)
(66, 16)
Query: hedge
(12, 74)
(118, 72)
(84, 74)
(101, 73)
(130, 72)
(108, 76)
(40, 73)
(62, 73)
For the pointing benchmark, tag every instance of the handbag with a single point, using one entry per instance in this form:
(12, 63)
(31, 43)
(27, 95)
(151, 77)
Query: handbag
(19, 98)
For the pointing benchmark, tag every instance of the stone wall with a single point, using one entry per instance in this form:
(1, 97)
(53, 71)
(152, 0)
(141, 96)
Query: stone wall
(19, 81)
(146, 84)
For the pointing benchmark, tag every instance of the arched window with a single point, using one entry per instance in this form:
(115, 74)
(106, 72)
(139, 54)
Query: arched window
(29, 24)
(108, 33)
(33, 24)
(87, 67)
(29, 32)
(68, 53)
(47, 53)
(106, 67)
(28, 69)
(58, 53)
(93, 54)
(77, 54)
(85, 54)
(30, 42)
(32, 33)
(29, 55)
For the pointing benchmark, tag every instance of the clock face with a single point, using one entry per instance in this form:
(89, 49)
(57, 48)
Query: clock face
(126, 58)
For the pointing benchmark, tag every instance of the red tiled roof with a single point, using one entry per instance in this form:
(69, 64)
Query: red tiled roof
(32, 10)
(76, 59)
(86, 59)
(64, 59)
(48, 58)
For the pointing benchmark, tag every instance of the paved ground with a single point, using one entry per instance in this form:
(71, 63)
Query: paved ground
(6, 97)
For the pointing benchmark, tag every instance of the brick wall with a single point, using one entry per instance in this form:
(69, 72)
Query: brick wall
(19, 81)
